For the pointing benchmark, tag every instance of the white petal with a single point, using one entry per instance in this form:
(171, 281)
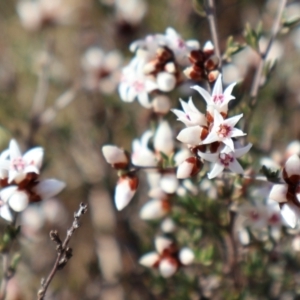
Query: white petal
(31, 169)
(290, 214)
(149, 259)
(18, 201)
(34, 157)
(184, 170)
(212, 157)
(186, 256)
(216, 170)
(49, 188)
(6, 193)
(212, 137)
(153, 209)
(218, 89)
(278, 193)
(167, 267)
(241, 151)
(114, 155)
(14, 150)
(6, 213)
(143, 98)
(233, 120)
(204, 94)
(228, 142)
(236, 132)
(235, 167)
(162, 243)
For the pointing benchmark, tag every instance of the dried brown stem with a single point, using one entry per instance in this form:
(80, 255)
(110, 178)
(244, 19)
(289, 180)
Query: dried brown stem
(64, 253)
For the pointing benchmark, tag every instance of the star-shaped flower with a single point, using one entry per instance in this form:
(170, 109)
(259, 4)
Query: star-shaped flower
(225, 159)
(223, 130)
(218, 100)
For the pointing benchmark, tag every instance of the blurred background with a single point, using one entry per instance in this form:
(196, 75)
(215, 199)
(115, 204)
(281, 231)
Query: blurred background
(59, 91)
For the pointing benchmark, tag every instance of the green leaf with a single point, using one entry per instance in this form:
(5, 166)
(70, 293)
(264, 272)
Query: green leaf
(252, 36)
(290, 23)
(272, 175)
(232, 48)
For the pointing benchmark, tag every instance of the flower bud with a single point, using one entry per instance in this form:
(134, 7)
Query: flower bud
(149, 260)
(163, 139)
(155, 209)
(213, 75)
(115, 156)
(195, 73)
(161, 104)
(164, 54)
(125, 190)
(208, 48)
(162, 243)
(278, 193)
(212, 63)
(186, 256)
(168, 267)
(170, 67)
(169, 183)
(165, 81)
(190, 167)
(291, 170)
(196, 56)
(168, 225)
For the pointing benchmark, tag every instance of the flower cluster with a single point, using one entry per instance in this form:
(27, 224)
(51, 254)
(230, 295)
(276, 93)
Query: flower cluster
(157, 66)
(20, 182)
(210, 136)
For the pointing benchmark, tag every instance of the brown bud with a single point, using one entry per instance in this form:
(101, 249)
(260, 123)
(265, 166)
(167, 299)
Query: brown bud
(213, 75)
(196, 56)
(164, 54)
(212, 63)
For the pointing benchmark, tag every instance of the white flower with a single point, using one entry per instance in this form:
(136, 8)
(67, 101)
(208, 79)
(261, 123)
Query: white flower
(135, 84)
(225, 159)
(218, 100)
(154, 209)
(19, 166)
(190, 115)
(125, 190)
(223, 130)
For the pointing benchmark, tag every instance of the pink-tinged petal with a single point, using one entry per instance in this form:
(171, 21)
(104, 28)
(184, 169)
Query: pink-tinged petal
(233, 120)
(114, 155)
(149, 260)
(190, 135)
(216, 170)
(7, 192)
(49, 188)
(143, 98)
(211, 157)
(218, 89)
(237, 132)
(34, 157)
(279, 193)
(169, 183)
(154, 209)
(235, 167)
(228, 142)
(168, 267)
(162, 243)
(241, 151)
(204, 94)
(14, 150)
(186, 256)
(292, 165)
(18, 201)
(125, 190)
(163, 139)
(290, 214)
(5, 213)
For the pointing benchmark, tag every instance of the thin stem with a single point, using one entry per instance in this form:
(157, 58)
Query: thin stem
(211, 16)
(64, 253)
(264, 55)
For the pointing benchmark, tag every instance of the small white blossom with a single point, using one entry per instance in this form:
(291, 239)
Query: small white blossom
(163, 139)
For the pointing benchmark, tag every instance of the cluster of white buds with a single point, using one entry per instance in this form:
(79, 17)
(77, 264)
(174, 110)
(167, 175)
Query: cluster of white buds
(210, 136)
(35, 15)
(157, 66)
(20, 182)
(101, 70)
(167, 258)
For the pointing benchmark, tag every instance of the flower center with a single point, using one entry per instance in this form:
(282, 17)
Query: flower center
(254, 215)
(180, 44)
(138, 86)
(218, 99)
(226, 159)
(18, 164)
(224, 130)
(274, 219)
